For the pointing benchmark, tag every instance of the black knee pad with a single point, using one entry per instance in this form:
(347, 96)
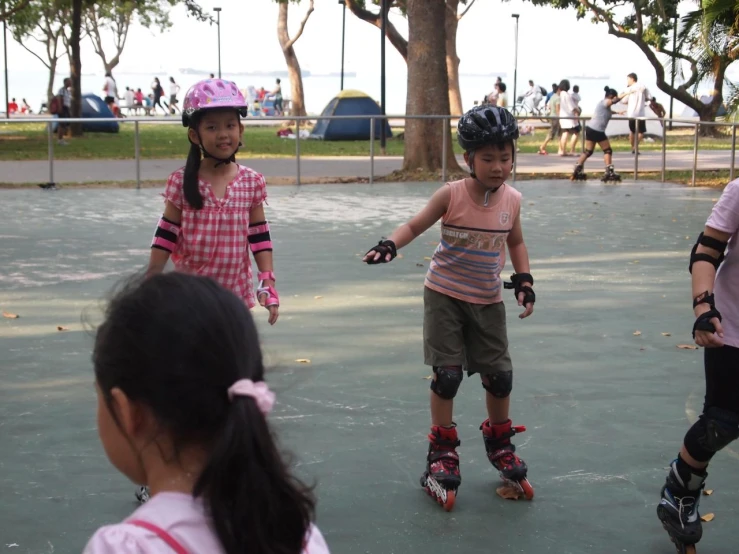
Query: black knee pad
(713, 431)
(448, 379)
(608, 151)
(498, 384)
(588, 153)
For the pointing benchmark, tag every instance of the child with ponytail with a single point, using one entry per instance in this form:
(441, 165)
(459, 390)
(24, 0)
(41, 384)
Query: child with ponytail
(182, 406)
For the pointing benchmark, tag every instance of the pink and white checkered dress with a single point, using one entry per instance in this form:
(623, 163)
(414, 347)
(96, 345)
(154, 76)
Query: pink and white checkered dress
(213, 241)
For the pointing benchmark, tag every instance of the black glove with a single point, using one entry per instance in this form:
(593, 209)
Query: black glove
(703, 321)
(384, 247)
(516, 284)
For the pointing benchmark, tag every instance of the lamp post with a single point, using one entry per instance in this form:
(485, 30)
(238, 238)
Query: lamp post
(5, 54)
(218, 24)
(343, 34)
(672, 80)
(383, 11)
(515, 62)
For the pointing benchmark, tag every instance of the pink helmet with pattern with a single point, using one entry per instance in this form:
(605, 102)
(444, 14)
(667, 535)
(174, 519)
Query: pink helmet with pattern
(212, 94)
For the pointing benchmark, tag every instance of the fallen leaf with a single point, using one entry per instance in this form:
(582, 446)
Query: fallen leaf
(399, 256)
(419, 265)
(60, 328)
(429, 377)
(687, 347)
(317, 297)
(10, 316)
(666, 334)
(673, 219)
(427, 258)
(707, 492)
(707, 517)
(641, 349)
(509, 492)
(303, 360)
(636, 333)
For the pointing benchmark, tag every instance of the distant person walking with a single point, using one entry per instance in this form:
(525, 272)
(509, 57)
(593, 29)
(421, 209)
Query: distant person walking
(110, 87)
(567, 112)
(65, 95)
(277, 97)
(554, 129)
(174, 88)
(158, 91)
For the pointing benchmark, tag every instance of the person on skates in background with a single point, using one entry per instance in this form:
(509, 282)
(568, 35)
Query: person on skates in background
(464, 317)
(595, 132)
(715, 280)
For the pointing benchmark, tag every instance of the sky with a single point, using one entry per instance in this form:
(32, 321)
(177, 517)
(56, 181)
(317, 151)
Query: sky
(551, 42)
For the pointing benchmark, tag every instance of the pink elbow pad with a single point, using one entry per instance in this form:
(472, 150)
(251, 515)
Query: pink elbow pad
(165, 236)
(259, 238)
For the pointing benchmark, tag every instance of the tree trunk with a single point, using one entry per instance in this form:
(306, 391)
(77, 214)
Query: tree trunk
(297, 97)
(50, 85)
(75, 68)
(452, 60)
(428, 88)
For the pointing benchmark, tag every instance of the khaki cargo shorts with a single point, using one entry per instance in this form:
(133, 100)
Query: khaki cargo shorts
(459, 333)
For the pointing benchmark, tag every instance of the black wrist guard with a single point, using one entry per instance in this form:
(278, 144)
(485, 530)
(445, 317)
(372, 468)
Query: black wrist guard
(516, 284)
(384, 247)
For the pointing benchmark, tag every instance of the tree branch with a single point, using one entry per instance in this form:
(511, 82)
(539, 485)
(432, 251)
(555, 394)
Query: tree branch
(43, 61)
(460, 16)
(680, 93)
(15, 9)
(395, 38)
(302, 25)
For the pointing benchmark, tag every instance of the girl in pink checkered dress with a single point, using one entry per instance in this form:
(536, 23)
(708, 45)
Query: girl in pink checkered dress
(214, 208)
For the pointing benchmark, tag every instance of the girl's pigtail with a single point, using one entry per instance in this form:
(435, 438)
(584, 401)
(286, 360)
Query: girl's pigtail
(190, 181)
(255, 504)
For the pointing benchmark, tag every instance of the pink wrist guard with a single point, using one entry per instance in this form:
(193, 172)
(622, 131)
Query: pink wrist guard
(165, 237)
(266, 275)
(259, 238)
(272, 298)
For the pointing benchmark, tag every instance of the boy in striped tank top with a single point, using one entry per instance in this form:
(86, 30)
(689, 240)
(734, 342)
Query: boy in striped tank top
(464, 323)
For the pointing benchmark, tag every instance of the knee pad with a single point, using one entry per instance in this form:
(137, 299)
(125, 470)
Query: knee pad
(448, 379)
(714, 431)
(588, 153)
(608, 150)
(498, 384)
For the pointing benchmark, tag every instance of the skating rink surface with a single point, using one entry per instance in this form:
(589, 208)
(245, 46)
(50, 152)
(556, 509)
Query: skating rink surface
(599, 381)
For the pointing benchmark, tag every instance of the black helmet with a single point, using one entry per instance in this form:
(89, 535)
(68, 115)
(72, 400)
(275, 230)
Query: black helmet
(486, 125)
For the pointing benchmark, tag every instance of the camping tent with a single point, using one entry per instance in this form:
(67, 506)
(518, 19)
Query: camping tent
(349, 102)
(94, 106)
(690, 112)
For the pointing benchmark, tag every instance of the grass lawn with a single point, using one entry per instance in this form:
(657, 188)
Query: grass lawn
(29, 141)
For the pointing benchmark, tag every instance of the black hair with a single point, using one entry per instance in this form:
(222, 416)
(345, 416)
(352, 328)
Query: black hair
(190, 178)
(564, 84)
(502, 87)
(554, 87)
(175, 343)
(610, 93)
(633, 76)
(576, 89)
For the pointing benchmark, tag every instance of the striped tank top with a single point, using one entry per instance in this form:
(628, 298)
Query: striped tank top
(471, 254)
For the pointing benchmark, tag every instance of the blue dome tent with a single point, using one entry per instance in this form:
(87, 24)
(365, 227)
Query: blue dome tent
(94, 106)
(349, 102)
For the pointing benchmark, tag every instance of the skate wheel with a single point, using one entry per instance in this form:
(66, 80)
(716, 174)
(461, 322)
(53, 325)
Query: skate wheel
(451, 497)
(528, 490)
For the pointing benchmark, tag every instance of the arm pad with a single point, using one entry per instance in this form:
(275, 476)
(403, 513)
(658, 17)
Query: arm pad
(708, 242)
(165, 237)
(259, 237)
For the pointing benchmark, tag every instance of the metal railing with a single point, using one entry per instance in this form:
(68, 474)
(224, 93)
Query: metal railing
(445, 122)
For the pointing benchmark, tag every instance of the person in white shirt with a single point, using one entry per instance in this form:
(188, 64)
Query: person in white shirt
(111, 89)
(638, 96)
(128, 99)
(567, 111)
(174, 88)
(533, 96)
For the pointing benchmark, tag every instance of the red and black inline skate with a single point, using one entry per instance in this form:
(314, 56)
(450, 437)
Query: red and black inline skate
(442, 478)
(502, 454)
